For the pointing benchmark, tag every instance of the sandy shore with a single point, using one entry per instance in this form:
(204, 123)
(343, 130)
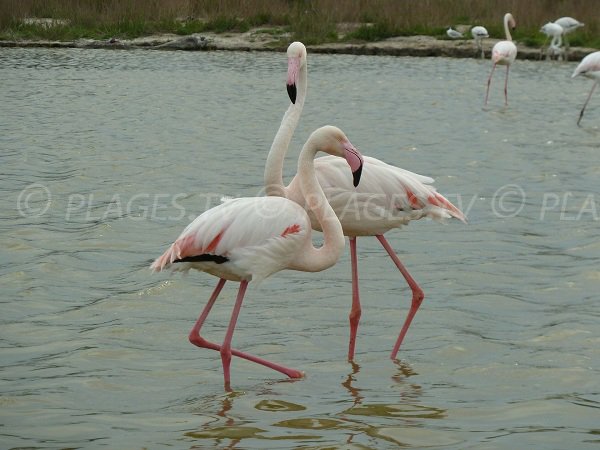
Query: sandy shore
(255, 40)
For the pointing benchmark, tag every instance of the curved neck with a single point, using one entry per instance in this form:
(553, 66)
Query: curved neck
(506, 27)
(313, 259)
(273, 177)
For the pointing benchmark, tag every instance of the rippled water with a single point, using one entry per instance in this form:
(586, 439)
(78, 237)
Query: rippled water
(106, 155)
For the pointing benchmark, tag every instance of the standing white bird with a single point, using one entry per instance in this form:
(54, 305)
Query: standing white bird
(555, 31)
(479, 33)
(588, 67)
(251, 238)
(453, 33)
(569, 25)
(503, 53)
(387, 197)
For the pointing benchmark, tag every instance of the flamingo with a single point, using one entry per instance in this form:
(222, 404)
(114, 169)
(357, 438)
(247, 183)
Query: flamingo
(479, 33)
(569, 25)
(503, 53)
(387, 197)
(252, 238)
(588, 67)
(555, 31)
(453, 33)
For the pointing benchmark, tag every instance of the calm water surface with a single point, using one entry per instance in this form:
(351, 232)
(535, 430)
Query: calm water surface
(107, 155)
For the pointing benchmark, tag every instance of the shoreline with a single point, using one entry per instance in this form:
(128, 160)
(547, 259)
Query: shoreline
(255, 40)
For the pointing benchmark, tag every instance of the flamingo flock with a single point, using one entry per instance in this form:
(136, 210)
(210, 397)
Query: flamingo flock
(250, 239)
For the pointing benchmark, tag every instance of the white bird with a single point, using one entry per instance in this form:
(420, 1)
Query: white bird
(453, 33)
(503, 53)
(588, 67)
(251, 238)
(479, 33)
(569, 25)
(387, 197)
(555, 31)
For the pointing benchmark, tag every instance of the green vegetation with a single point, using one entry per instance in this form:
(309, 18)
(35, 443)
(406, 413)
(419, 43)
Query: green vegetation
(312, 21)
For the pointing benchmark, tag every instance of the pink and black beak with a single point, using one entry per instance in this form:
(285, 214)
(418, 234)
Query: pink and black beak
(355, 161)
(292, 77)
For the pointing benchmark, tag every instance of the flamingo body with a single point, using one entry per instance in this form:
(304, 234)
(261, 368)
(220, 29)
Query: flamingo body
(504, 53)
(386, 198)
(589, 67)
(568, 24)
(241, 239)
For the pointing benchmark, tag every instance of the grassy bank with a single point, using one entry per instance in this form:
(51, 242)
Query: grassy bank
(312, 21)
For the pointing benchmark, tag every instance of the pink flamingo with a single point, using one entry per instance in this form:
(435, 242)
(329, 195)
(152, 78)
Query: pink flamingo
(252, 238)
(503, 53)
(588, 67)
(387, 197)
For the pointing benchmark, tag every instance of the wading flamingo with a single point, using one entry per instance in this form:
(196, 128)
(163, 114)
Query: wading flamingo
(503, 53)
(569, 25)
(251, 238)
(387, 197)
(588, 67)
(479, 33)
(555, 31)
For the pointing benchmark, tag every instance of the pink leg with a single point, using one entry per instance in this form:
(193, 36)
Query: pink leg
(417, 294)
(487, 92)
(226, 347)
(586, 102)
(506, 86)
(355, 312)
(199, 341)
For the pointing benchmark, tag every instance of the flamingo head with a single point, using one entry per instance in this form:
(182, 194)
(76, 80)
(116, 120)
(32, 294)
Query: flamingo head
(332, 140)
(296, 53)
(511, 21)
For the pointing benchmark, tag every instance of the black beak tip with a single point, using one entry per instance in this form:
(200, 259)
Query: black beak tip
(291, 89)
(356, 176)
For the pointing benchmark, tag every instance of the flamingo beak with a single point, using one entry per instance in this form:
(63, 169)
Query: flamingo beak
(292, 77)
(355, 161)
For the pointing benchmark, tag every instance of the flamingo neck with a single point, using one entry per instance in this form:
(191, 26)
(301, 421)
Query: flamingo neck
(273, 177)
(506, 27)
(314, 259)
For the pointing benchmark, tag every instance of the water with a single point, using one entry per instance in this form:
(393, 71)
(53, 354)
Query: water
(106, 156)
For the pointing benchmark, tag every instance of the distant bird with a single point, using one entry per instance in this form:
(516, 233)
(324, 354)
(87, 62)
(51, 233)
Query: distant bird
(588, 67)
(503, 53)
(254, 237)
(479, 33)
(569, 25)
(388, 197)
(453, 33)
(555, 31)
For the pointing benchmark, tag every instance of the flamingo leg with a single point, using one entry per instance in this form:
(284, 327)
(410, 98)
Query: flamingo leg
(355, 312)
(506, 86)
(487, 92)
(196, 339)
(417, 293)
(226, 347)
(586, 102)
